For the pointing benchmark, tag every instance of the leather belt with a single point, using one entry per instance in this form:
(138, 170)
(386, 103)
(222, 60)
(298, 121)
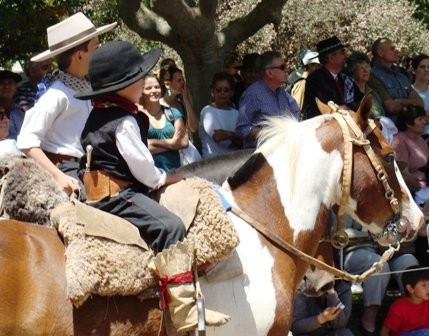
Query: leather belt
(57, 159)
(100, 185)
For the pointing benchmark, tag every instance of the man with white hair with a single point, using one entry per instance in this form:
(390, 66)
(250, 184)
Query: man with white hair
(265, 98)
(388, 80)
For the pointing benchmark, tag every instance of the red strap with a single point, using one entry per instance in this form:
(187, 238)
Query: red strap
(181, 278)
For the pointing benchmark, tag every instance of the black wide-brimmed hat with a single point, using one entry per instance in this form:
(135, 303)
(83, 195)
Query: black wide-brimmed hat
(6, 74)
(116, 65)
(330, 45)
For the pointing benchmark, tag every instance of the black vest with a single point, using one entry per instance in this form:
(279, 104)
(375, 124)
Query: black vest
(99, 132)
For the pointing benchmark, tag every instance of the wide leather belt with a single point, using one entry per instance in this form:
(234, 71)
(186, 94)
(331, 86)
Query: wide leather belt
(100, 185)
(57, 159)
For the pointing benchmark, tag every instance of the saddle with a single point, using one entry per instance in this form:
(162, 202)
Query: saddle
(106, 256)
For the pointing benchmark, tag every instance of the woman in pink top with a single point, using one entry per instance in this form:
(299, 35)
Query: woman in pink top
(412, 149)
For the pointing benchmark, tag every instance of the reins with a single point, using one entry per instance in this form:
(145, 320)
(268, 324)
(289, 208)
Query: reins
(287, 247)
(340, 239)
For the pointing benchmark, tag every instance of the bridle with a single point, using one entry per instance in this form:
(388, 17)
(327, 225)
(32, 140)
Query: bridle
(340, 238)
(353, 136)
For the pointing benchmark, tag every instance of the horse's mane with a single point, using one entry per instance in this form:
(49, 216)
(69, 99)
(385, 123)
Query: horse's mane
(277, 132)
(216, 168)
(289, 140)
(280, 130)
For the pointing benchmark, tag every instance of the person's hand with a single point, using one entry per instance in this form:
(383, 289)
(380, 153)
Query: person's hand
(185, 92)
(220, 135)
(329, 314)
(179, 133)
(67, 183)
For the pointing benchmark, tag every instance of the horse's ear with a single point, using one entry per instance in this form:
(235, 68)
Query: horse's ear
(323, 108)
(365, 107)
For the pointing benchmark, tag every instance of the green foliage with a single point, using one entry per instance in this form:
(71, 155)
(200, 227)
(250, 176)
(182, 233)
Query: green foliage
(358, 23)
(305, 22)
(422, 10)
(24, 24)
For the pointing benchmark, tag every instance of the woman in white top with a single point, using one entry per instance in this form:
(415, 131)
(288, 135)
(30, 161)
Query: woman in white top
(218, 120)
(420, 69)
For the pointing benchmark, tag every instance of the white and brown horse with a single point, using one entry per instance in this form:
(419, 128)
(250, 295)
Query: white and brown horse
(289, 186)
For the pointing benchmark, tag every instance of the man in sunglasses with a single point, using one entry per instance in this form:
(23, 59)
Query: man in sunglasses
(265, 98)
(329, 83)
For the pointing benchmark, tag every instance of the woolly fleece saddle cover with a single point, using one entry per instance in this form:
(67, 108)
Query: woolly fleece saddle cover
(107, 267)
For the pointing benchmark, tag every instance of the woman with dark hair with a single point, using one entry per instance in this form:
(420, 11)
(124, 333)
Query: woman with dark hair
(167, 133)
(176, 94)
(218, 120)
(420, 71)
(412, 150)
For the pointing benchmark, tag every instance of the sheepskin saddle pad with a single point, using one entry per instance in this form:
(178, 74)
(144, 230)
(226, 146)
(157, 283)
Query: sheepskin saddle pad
(108, 265)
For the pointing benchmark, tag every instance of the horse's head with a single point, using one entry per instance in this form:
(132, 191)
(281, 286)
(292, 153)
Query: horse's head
(372, 191)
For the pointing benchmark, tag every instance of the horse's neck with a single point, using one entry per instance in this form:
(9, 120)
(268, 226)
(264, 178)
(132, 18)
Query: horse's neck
(289, 198)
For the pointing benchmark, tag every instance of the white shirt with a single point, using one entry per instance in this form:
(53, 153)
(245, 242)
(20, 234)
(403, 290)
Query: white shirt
(137, 155)
(425, 97)
(211, 119)
(56, 121)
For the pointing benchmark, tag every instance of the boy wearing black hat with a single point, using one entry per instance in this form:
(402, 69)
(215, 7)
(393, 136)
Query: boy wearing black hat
(329, 83)
(119, 170)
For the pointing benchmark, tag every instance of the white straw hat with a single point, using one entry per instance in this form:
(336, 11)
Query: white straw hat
(69, 33)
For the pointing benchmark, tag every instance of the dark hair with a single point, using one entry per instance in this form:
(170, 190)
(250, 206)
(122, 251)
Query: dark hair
(354, 59)
(230, 59)
(165, 63)
(167, 74)
(266, 59)
(221, 76)
(323, 58)
(150, 75)
(407, 116)
(416, 60)
(413, 277)
(64, 59)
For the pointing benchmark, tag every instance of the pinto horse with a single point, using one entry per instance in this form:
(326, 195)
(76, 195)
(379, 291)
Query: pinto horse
(289, 186)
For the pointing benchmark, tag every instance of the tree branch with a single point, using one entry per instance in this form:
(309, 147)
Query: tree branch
(177, 13)
(267, 11)
(144, 22)
(208, 8)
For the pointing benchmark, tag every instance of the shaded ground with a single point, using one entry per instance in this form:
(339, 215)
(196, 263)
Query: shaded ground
(391, 295)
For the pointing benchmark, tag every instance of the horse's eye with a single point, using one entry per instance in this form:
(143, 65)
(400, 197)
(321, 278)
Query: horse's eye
(389, 158)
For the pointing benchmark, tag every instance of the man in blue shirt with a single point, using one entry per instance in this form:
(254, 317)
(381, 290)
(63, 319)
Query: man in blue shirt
(265, 98)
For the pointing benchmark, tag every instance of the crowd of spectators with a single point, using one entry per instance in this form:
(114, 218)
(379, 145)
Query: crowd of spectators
(244, 92)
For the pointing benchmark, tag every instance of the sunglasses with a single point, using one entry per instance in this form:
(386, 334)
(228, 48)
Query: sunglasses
(280, 67)
(222, 89)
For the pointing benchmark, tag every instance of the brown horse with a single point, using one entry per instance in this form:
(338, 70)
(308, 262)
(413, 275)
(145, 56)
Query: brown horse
(289, 186)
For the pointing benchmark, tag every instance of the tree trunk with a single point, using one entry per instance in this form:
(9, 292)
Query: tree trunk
(191, 31)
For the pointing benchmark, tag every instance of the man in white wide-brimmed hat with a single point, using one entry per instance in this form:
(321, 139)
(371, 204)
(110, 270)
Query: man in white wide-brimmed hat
(51, 130)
